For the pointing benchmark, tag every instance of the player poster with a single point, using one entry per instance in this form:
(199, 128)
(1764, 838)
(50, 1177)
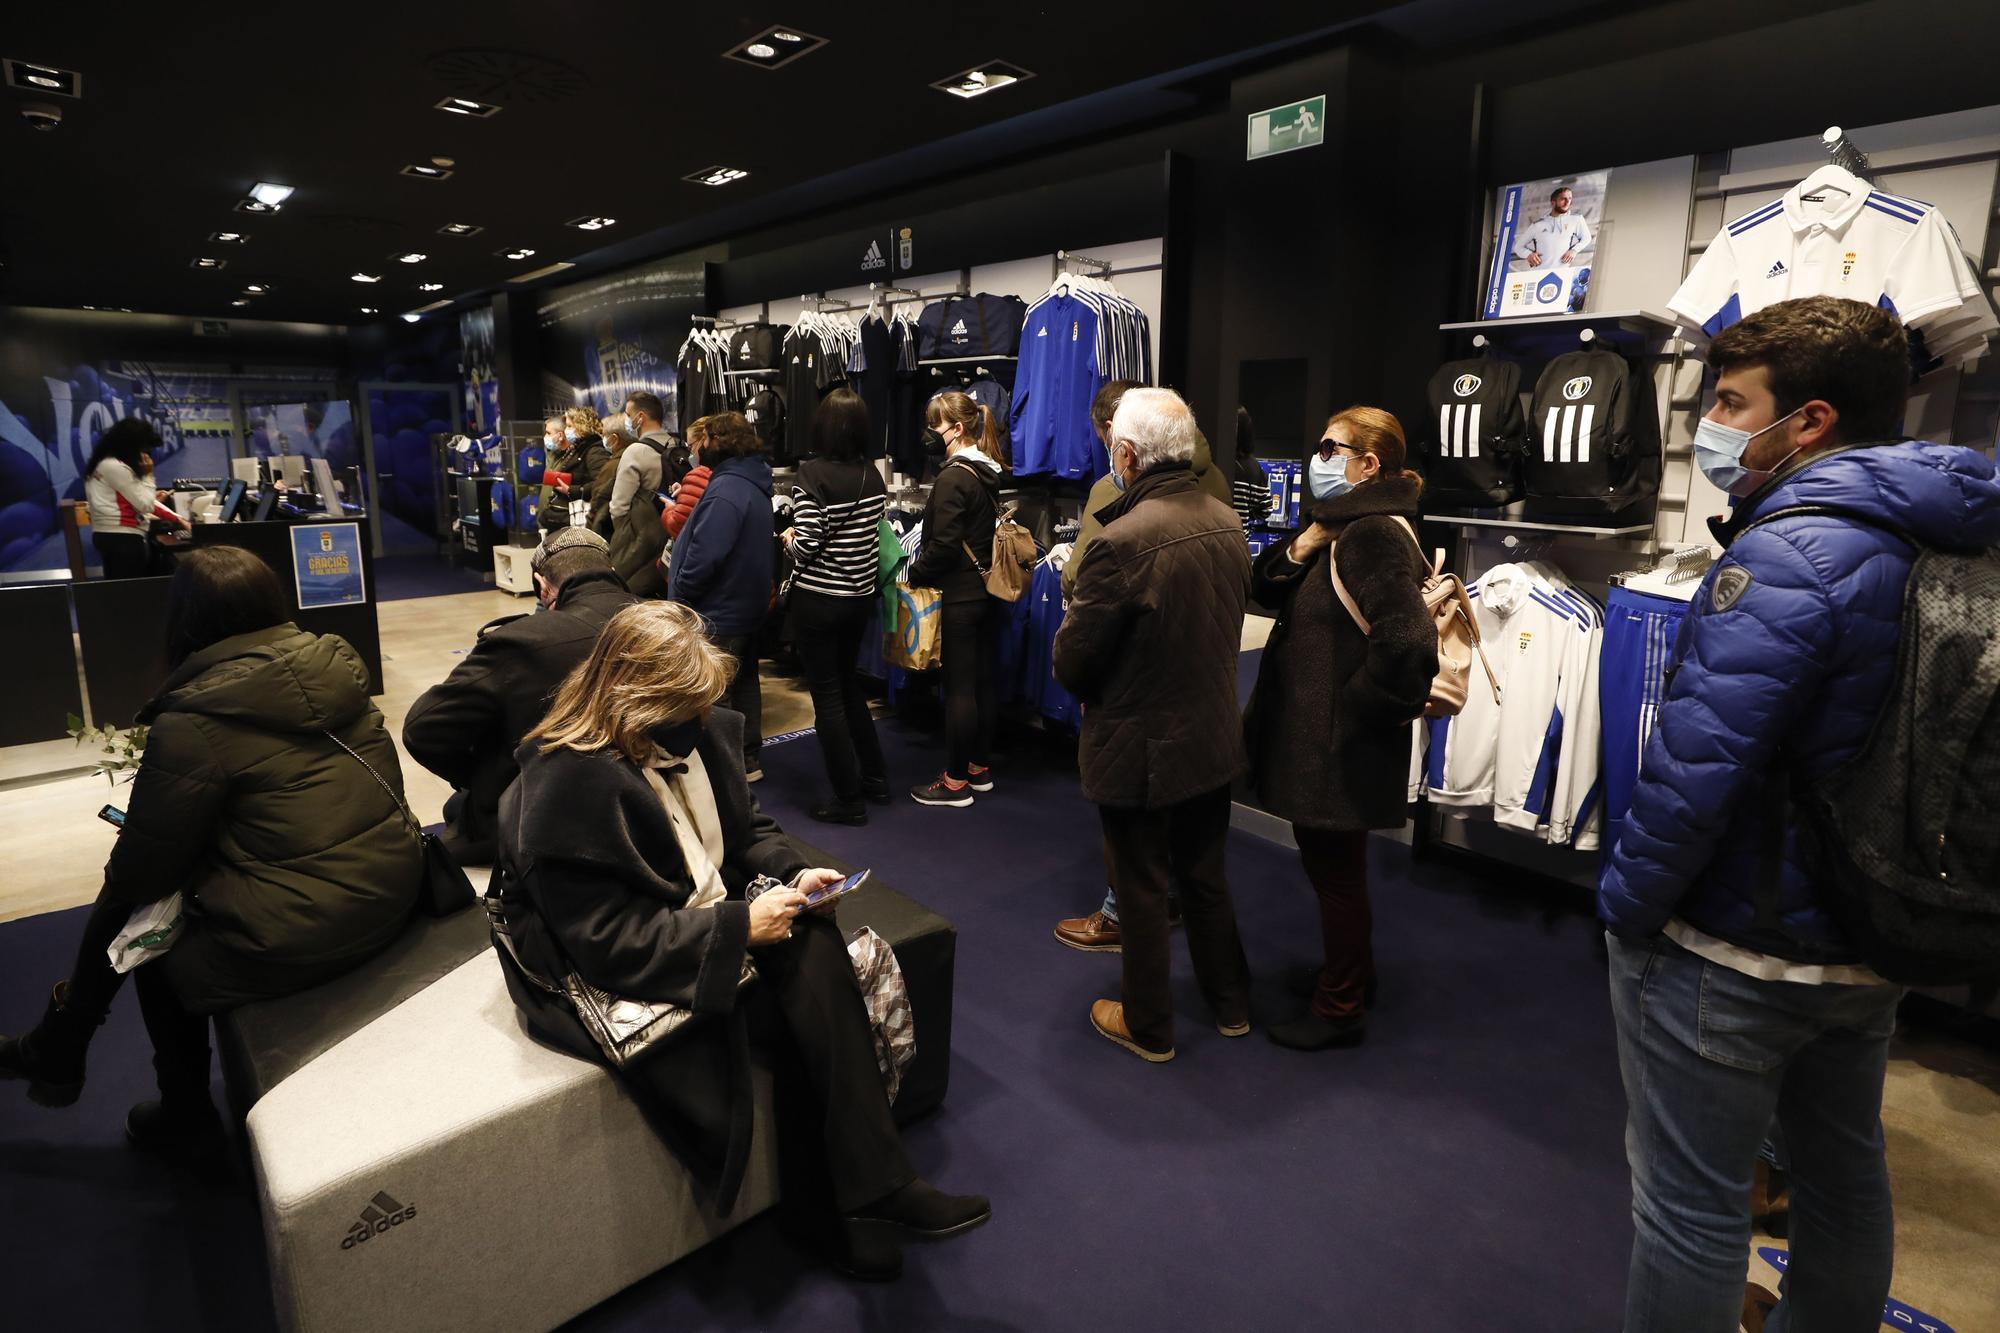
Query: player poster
(1546, 246)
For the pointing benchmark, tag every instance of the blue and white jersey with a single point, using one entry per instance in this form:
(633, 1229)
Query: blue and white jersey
(1640, 629)
(1532, 758)
(1859, 243)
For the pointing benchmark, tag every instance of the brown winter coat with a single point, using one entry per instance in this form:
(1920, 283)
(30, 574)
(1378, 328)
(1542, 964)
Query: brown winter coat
(1150, 641)
(1329, 723)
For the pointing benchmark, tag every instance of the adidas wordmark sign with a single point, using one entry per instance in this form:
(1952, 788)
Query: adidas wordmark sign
(873, 258)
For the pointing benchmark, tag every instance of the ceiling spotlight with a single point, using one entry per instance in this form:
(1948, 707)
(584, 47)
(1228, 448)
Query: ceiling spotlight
(715, 175)
(460, 229)
(982, 79)
(364, 277)
(430, 286)
(228, 237)
(424, 172)
(241, 300)
(370, 310)
(256, 289)
(588, 223)
(412, 317)
(775, 47)
(206, 262)
(43, 78)
(413, 257)
(266, 193)
(255, 206)
(465, 106)
(515, 252)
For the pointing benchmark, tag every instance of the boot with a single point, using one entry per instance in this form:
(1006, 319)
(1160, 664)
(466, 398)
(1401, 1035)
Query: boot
(51, 1057)
(184, 1126)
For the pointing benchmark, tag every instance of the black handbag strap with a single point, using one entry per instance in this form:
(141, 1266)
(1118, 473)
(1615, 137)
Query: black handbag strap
(401, 808)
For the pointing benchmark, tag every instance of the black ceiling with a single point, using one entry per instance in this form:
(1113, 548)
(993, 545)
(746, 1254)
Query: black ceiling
(605, 108)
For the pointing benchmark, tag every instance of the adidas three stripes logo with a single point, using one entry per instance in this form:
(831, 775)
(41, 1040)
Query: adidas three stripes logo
(1458, 430)
(1566, 433)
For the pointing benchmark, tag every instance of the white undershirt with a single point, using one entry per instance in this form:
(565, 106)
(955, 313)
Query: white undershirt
(1765, 967)
(690, 805)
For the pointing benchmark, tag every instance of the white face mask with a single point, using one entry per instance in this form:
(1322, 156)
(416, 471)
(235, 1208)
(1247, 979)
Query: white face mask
(1719, 450)
(631, 424)
(569, 433)
(551, 440)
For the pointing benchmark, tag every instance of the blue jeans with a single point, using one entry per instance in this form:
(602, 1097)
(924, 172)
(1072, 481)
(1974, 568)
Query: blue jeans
(1110, 907)
(1709, 1057)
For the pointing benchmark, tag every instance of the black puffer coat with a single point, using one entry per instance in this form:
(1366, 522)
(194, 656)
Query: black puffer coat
(1150, 642)
(295, 864)
(1329, 723)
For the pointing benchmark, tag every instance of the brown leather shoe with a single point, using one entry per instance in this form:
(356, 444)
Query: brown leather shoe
(1096, 933)
(1108, 1017)
(1758, 1303)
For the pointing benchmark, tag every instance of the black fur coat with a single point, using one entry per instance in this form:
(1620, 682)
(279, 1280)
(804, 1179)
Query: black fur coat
(1329, 722)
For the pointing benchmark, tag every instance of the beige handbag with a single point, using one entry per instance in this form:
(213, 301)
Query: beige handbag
(1457, 631)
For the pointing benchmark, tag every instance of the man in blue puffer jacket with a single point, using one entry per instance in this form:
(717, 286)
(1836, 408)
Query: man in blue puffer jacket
(1738, 1000)
(723, 562)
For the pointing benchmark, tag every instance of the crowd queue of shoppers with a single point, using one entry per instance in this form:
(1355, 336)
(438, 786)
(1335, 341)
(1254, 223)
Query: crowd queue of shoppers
(602, 751)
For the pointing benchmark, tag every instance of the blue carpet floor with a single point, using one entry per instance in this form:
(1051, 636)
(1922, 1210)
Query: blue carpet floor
(1461, 1171)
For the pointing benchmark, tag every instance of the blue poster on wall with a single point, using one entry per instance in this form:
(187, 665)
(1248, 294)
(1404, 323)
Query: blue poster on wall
(326, 564)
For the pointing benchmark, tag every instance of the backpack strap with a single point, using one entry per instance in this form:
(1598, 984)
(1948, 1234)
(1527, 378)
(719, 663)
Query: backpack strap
(1875, 521)
(1340, 589)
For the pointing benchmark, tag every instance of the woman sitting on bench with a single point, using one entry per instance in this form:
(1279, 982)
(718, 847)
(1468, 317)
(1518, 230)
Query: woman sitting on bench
(626, 846)
(252, 802)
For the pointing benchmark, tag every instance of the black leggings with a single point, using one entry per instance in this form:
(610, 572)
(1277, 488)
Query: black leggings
(827, 633)
(180, 1036)
(970, 632)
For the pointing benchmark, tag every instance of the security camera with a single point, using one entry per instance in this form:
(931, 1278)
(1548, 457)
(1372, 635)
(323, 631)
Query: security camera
(42, 115)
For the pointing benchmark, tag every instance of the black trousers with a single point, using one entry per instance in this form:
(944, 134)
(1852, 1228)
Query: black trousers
(838, 1146)
(124, 555)
(827, 633)
(970, 634)
(1179, 847)
(180, 1037)
(746, 692)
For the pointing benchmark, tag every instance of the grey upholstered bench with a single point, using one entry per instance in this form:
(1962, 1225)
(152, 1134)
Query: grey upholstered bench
(424, 1163)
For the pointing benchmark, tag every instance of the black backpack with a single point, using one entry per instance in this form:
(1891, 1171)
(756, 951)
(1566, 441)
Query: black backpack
(1594, 440)
(757, 346)
(1474, 460)
(1907, 833)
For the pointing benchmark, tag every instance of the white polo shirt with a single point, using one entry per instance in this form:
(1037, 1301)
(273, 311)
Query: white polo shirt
(1858, 243)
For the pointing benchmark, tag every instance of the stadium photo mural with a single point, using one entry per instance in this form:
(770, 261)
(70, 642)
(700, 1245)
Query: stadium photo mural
(612, 336)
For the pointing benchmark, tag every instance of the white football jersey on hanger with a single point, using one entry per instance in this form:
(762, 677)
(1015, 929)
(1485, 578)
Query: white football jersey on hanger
(1841, 239)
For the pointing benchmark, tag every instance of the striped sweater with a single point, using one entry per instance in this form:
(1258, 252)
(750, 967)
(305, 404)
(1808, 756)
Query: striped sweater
(1252, 497)
(836, 511)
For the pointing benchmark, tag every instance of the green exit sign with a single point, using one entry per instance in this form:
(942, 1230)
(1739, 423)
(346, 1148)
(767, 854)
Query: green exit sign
(1284, 128)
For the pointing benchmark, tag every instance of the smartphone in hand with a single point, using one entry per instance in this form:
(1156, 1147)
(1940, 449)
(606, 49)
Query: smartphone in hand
(821, 896)
(113, 816)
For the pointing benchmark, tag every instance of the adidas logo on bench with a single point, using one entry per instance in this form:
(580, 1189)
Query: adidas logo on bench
(381, 1213)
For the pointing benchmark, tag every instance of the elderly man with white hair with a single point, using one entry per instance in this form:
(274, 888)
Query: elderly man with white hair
(1149, 646)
